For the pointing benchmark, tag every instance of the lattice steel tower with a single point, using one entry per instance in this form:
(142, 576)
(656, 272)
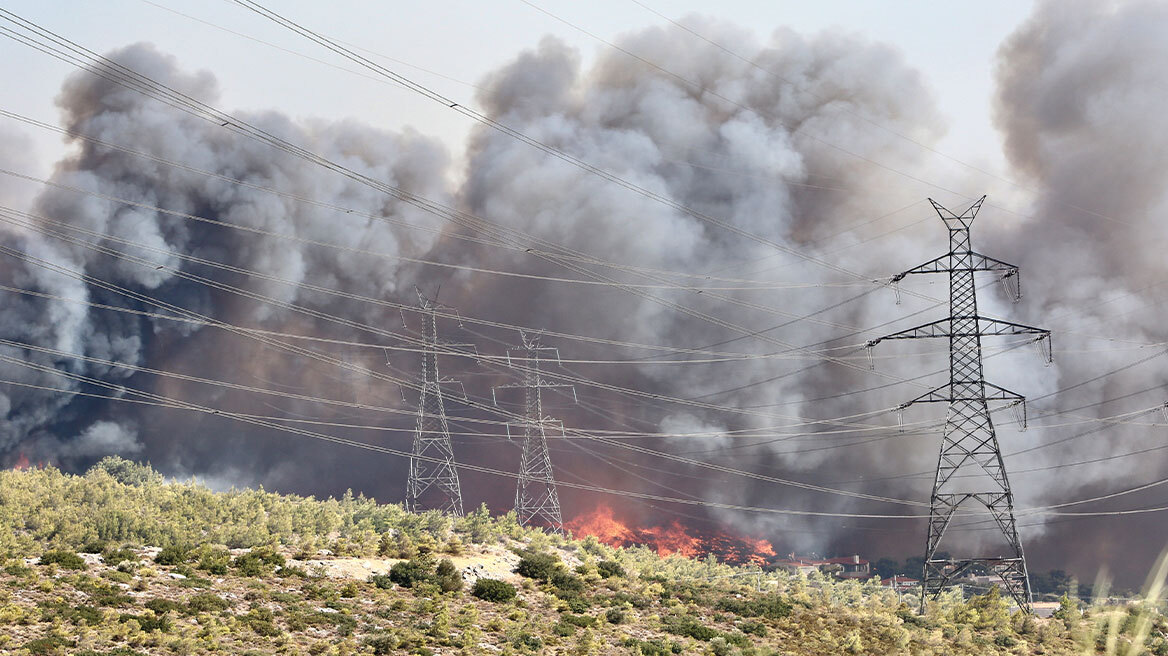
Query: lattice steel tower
(536, 499)
(970, 466)
(432, 459)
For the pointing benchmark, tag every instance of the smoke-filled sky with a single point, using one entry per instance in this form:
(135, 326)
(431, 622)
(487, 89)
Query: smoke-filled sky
(804, 161)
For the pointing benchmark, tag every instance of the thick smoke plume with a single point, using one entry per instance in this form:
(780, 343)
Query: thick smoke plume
(782, 148)
(1079, 105)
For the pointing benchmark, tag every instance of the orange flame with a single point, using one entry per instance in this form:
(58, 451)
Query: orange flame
(22, 463)
(672, 538)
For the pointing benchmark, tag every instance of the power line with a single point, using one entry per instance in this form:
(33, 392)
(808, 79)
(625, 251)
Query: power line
(310, 354)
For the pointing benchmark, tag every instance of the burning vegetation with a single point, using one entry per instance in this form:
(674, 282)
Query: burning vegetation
(672, 538)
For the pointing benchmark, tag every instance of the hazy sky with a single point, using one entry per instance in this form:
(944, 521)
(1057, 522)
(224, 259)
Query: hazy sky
(457, 41)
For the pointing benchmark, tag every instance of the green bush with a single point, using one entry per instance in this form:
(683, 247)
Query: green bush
(164, 606)
(112, 556)
(213, 561)
(527, 641)
(172, 555)
(127, 472)
(493, 590)
(690, 628)
(149, 623)
(47, 645)
(382, 644)
(582, 621)
(772, 607)
(753, 628)
(66, 559)
(409, 573)
(262, 621)
(447, 576)
(539, 566)
(609, 568)
(16, 569)
(258, 561)
(614, 616)
(206, 602)
(652, 647)
(381, 581)
(576, 603)
(567, 582)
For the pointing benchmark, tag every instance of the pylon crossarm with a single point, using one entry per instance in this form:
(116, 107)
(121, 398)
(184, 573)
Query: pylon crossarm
(939, 328)
(942, 394)
(970, 261)
(1017, 402)
(990, 326)
(1002, 394)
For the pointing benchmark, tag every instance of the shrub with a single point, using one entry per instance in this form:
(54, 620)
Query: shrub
(47, 645)
(262, 622)
(66, 559)
(149, 623)
(447, 576)
(539, 566)
(382, 644)
(206, 602)
(563, 630)
(652, 647)
(381, 581)
(609, 568)
(16, 569)
(409, 573)
(214, 561)
(576, 603)
(258, 561)
(582, 621)
(690, 628)
(567, 582)
(172, 555)
(525, 640)
(163, 606)
(614, 616)
(112, 556)
(493, 590)
(127, 472)
(194, 582)
(289, 571)
(753, 628)
(772, 607)
(349, 590)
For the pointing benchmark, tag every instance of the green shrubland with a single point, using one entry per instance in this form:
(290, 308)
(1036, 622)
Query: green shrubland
(121, 562)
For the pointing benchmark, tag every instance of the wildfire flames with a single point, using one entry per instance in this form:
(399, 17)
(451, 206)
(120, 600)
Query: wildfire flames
(672, 538)
(22, 463)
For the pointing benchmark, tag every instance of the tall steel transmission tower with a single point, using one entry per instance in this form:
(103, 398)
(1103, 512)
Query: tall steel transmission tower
(432, 459)
(536, 499)
(970, 467)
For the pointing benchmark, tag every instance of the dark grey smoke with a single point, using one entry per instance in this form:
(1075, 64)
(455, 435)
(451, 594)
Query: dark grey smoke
(763, 150)
(1079, 104)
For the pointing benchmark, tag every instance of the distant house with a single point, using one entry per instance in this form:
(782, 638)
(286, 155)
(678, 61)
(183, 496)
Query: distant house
(848, 567)
(851, 567)
(900, 583)
(798, 565)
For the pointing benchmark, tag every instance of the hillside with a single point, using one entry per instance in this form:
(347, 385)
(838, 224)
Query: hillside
(120, 562)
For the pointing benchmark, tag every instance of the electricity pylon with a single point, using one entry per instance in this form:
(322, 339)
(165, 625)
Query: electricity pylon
(536, 499)
(970, 466)
(432, 459)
